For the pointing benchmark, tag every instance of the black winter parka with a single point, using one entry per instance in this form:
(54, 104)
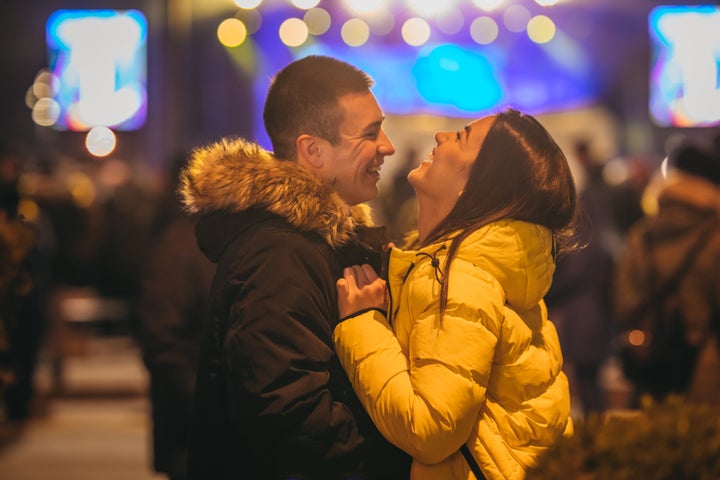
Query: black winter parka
(272, 400)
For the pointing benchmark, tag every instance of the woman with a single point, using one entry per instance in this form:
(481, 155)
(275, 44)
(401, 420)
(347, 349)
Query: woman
(465, 355)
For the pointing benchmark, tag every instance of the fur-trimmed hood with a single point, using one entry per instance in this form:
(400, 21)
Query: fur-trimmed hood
(235, 175)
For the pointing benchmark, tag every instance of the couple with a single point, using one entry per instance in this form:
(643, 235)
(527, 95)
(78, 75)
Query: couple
(456, 352)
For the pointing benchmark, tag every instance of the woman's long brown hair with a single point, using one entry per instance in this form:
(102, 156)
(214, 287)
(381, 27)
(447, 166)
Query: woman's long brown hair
(519, 173)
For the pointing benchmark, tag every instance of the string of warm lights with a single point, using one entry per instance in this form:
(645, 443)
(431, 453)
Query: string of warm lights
(416, 20)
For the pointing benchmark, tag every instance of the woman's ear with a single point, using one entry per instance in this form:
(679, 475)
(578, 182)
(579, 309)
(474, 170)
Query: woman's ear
(309, 150)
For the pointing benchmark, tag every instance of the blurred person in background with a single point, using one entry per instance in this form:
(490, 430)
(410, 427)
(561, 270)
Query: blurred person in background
(458, 363)
(578, 301)
(272, 400)
(172, 306)
(23, 271)
(677, 250)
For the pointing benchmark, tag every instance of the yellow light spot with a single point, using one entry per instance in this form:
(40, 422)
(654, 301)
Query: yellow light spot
(232, 32)
(81, 189)
(541, 29)
(29, 209)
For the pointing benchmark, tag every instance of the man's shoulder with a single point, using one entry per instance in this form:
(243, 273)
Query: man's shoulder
(271, 239)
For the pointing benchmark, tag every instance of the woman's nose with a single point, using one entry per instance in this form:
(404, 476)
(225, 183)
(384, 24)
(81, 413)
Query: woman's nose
(440, 136)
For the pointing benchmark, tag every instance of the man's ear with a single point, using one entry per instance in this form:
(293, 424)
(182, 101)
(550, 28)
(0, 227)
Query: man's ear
(310, 150)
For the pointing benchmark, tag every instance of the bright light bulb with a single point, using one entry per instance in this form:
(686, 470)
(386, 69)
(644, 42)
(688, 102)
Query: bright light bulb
(541, 29)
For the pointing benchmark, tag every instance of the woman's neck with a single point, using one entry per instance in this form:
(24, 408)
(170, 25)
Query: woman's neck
(430, 214)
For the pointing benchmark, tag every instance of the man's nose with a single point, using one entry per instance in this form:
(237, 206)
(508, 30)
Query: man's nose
(386, 147)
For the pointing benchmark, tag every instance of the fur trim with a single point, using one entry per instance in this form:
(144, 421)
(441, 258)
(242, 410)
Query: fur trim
(236, 174)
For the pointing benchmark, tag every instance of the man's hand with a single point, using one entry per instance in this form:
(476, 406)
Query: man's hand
(360, 289)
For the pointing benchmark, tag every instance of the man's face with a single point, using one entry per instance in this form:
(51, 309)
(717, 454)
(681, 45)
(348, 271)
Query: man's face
(352, 165)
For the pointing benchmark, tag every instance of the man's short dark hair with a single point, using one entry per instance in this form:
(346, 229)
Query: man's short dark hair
(304, 99)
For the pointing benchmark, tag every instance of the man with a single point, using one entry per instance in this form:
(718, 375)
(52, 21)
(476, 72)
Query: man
(271, 400)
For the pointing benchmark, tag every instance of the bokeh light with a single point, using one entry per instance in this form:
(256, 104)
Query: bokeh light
(251, 18)
(487, 5)
(45, 84)
(100, 141)
(484, 30)
(305, 4)
(416, 31)
(429, 8)
(232, 32)
(247, 4)
(365, 6)
(355, 32)
(546, 3)
(451, 22)
(293, 32)
(541, 29)
(381, 23)
(317, 20)
(46, 112)
(516, 18)
(82, 189)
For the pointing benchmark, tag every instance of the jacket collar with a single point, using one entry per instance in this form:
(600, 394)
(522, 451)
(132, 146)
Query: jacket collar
(235, 175)
(517, 254)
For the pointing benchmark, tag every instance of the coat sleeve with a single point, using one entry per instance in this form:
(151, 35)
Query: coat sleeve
(426, 400)
(277, 354)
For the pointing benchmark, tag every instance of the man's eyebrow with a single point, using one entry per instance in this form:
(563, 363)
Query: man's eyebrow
(375, 125)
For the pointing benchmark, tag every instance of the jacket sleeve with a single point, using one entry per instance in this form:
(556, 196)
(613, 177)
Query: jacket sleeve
(426, 400)
(277, 355)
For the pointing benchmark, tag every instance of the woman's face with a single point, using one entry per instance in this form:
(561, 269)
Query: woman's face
(442, 178)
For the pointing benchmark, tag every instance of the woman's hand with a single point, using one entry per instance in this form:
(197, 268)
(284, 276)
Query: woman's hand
(360, 289)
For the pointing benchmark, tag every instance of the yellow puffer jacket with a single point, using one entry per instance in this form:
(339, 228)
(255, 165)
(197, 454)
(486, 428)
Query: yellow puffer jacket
(488, 374)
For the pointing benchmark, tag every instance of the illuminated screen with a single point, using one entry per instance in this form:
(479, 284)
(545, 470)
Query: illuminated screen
(685, 66)
(98, 60)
